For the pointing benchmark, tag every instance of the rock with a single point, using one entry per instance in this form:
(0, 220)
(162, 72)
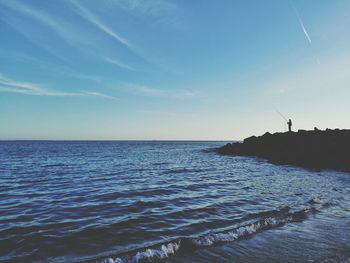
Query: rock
(317, 149)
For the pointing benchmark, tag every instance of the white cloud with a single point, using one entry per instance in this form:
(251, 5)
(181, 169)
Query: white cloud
(89, 16)
(14, 86)
(153, 92)
(60, 69)
(68, 32)
(147, 7)
(162, 11)
(32, 21)
(97, 94)
(117, 63)
(57, 26)
(92, 18)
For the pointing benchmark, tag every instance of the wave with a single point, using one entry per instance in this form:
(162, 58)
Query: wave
(269, 220)
(149, 254)
(248, 230)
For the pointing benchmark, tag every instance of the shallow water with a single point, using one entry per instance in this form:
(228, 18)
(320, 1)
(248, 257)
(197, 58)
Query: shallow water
(165, 201)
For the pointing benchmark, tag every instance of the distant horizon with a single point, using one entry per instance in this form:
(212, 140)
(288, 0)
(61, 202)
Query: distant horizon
(104, 140)
(171, 70)
(164, 140)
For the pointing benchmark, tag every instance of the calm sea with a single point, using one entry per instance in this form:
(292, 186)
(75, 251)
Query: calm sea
(165, 201)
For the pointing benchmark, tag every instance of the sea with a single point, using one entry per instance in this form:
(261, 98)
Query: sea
(165, 201)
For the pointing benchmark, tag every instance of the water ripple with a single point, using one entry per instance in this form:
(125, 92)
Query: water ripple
(149, 201)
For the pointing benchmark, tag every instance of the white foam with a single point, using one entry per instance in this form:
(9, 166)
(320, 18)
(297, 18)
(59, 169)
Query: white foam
(150, 254)
(316, 200)
(239, 232)
(112, 260)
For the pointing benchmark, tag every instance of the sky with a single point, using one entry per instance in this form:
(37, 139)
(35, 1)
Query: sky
(172, 70)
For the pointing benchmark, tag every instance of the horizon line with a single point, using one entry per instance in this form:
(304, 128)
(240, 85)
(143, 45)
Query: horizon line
(118, 140)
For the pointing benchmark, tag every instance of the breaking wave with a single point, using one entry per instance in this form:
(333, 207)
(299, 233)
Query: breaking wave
(149, 254)
(270, 220)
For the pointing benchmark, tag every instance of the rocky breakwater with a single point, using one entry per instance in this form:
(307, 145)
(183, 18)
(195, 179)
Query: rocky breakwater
(316, 149)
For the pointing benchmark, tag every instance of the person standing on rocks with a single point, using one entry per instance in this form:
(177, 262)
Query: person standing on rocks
(289, 125)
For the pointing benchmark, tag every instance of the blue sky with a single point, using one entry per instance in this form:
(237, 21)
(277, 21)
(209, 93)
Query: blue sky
(159, 69)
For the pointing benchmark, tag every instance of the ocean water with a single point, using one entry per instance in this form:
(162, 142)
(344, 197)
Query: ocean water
(165, 202)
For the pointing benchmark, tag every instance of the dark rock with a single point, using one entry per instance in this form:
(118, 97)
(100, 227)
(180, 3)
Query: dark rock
(315, 149)
(250, 139)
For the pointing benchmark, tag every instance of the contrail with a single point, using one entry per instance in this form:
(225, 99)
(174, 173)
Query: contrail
(302, 25)
(304, 29)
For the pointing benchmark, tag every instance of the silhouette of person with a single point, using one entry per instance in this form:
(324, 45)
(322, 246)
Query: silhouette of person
(289, 125)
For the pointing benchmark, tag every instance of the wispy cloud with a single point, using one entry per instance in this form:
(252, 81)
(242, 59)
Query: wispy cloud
(93, 19)
(57, 26)
(153, 92)
(23, 58)
(97, 94)
(149, 7)
(89, 16)
(162, 11)
(34, 37)
(28, 88)
(82, 40)
(69, 33)
(118, 63)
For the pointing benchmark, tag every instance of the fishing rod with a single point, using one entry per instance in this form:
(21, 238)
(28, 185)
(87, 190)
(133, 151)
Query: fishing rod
(281, 115)
(284, 118)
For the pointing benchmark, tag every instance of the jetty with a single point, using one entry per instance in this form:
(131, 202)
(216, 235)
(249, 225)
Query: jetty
(315, 149)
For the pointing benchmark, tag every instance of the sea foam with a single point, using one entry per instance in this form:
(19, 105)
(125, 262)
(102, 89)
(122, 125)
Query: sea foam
(149, 254)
